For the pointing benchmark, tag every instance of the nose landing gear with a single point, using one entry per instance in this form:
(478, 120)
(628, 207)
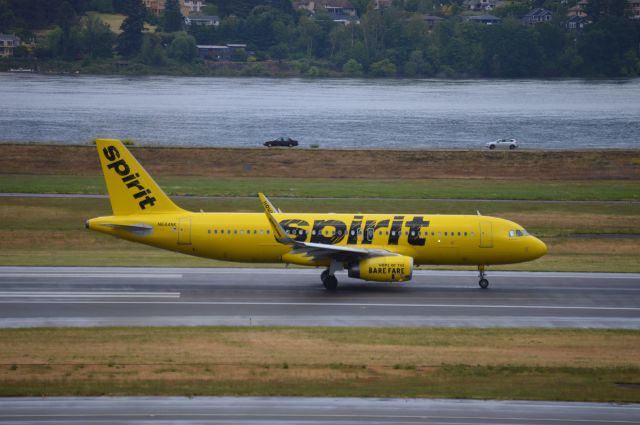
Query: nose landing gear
(483, 282)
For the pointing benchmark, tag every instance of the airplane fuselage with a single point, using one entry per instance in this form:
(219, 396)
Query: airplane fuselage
(247, 237)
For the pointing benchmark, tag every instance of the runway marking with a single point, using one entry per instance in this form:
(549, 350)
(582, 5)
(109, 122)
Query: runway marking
(317, 304)
(40, 294)
(96, 275)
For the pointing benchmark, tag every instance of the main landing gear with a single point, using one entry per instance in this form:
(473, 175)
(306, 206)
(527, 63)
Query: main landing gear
(328, 277)
(329, 281)
(483, 282)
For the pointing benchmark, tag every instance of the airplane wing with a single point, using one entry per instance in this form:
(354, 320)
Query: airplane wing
(317, 251)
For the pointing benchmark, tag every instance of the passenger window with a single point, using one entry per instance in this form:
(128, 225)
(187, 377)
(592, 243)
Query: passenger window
(439, 233)
(242, 232)
(262, 231)
(465, 233)
(268, 231)
(445, 233)
(459, 234)
(471, 233)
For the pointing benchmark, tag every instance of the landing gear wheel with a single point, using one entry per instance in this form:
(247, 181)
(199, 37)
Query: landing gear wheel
(492, 147)
(324, 275)
(483, 282)
(330, 282)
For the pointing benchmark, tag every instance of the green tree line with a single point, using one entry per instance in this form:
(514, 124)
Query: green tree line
(393, 41)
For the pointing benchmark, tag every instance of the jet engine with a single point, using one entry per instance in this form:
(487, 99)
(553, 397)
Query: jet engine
(383, 269)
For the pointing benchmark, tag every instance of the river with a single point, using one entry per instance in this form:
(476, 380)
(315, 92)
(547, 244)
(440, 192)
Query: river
(331, 113)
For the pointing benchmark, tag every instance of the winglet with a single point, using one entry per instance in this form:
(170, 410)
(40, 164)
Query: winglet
(278, 231)
(266, 203)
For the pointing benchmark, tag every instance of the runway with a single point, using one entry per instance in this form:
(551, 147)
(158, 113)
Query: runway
(272, 410)
(50, 296)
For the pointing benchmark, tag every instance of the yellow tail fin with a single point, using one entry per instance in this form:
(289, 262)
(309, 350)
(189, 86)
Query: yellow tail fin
(131, 188)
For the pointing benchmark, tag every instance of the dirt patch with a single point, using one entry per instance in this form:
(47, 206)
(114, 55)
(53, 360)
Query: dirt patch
(311, 163)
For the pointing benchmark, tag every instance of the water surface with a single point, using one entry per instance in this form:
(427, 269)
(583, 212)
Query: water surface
(333, 113)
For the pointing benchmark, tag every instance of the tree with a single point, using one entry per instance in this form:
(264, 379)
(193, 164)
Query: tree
(183, 48)
(130, 40)
(152, 52)
(173, 18)
(97, 37)
(352, 68)
(383, 68)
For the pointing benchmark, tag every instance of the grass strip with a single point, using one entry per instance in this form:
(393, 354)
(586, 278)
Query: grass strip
(589, 190)
(557, 364)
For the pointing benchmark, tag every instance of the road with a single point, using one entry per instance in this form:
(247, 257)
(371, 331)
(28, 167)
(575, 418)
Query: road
(76, 296)
(249, 410)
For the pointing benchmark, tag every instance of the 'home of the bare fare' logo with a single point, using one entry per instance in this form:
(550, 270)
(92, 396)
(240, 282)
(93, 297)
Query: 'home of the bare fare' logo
(129, 178)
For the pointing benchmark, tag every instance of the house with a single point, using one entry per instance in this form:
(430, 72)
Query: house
(381, 4)
(219, 53)
(483, 19)
(333, 7)
(207, 21)
(482, 4)
(577, 23)
(7, 44)
(213, 52)
(580, 9)
(431, 20)
(157, 7)
(195, 6)
(537, 16)
(344, 19)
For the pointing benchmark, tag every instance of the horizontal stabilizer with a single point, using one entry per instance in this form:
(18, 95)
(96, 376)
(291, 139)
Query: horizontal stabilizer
(136, 229)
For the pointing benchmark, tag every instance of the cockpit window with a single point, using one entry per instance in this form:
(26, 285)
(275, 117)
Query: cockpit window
(518, 233)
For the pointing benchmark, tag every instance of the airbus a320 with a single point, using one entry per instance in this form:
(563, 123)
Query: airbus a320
(371, 247)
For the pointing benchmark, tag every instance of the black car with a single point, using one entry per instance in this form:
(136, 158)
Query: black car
(281, 141)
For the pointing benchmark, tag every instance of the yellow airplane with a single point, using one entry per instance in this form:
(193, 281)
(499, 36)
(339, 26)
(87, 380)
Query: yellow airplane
(374, 247)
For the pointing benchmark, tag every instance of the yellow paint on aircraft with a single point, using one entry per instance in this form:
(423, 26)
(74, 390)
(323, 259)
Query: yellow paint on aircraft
(380, 247)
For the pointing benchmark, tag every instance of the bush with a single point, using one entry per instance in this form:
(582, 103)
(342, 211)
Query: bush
(352, 68)
(383, 68)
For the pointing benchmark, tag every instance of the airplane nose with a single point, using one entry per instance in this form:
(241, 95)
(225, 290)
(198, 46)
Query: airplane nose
(538, 248)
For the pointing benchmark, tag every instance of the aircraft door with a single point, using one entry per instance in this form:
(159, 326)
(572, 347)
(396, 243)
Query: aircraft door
(184, 231)
(486, 234)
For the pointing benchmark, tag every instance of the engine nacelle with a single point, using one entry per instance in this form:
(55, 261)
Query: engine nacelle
(383, 269)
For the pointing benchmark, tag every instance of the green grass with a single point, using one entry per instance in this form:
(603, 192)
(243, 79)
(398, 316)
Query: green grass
(599, 190)
(535, 364)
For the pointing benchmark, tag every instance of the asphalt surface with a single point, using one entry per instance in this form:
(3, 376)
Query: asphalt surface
(75, 296)
(232, 410)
